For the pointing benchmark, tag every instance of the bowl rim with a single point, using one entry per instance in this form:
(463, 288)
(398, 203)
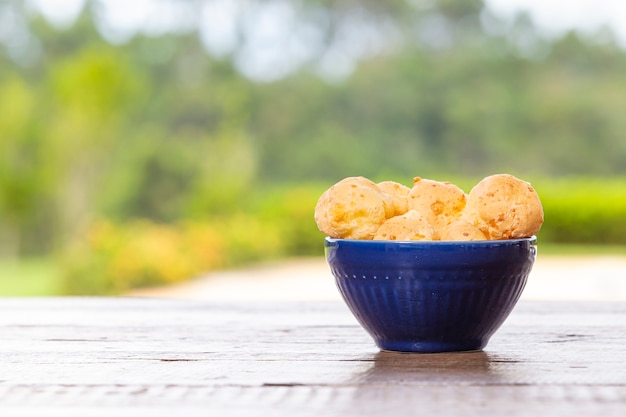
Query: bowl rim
(427, 243)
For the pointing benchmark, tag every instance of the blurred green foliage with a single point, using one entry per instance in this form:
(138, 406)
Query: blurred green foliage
(110, 258)
(584, 211)
(156, 143)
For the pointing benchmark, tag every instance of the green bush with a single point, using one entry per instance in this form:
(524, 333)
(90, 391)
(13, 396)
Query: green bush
(290, 210)
(248, 239)
(587, 211)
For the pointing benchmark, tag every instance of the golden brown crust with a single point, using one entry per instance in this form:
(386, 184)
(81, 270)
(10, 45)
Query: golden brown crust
(408, 226)
(353, 208)
(399, 194)
(504, 207)
(461, 230)
(499, 207)
(439, 202)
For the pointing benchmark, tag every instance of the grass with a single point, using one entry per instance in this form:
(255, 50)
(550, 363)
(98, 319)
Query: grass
(29, 277)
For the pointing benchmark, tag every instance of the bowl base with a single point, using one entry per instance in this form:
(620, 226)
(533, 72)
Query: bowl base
(431, 347)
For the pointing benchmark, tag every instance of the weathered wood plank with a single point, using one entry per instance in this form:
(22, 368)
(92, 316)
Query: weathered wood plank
(126, 355)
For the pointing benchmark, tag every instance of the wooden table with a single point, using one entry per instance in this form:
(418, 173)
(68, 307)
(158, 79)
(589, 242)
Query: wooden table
(155, 357)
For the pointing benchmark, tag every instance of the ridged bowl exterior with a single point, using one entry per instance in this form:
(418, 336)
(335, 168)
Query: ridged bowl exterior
(431, 296)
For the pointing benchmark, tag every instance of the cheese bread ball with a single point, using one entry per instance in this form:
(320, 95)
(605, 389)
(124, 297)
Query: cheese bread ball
(353, 208)
(408, 226)
(399, 195)
(460, 230)
(504, 207)
(439, 202)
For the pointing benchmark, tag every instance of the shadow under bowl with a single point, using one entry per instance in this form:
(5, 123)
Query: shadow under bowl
(434, 296)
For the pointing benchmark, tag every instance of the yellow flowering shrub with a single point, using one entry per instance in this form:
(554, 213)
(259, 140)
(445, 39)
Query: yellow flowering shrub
(111, 259)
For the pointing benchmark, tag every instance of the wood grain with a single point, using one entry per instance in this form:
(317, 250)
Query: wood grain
(127, 356)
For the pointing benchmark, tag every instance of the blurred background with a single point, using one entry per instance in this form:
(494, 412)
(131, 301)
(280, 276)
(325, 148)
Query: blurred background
(146, 143)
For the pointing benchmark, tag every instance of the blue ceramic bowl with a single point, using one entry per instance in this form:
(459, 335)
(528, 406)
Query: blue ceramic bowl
(431, 296)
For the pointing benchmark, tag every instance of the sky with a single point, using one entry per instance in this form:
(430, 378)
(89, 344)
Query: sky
(552, 15)
(119, 20)
(556, 16)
